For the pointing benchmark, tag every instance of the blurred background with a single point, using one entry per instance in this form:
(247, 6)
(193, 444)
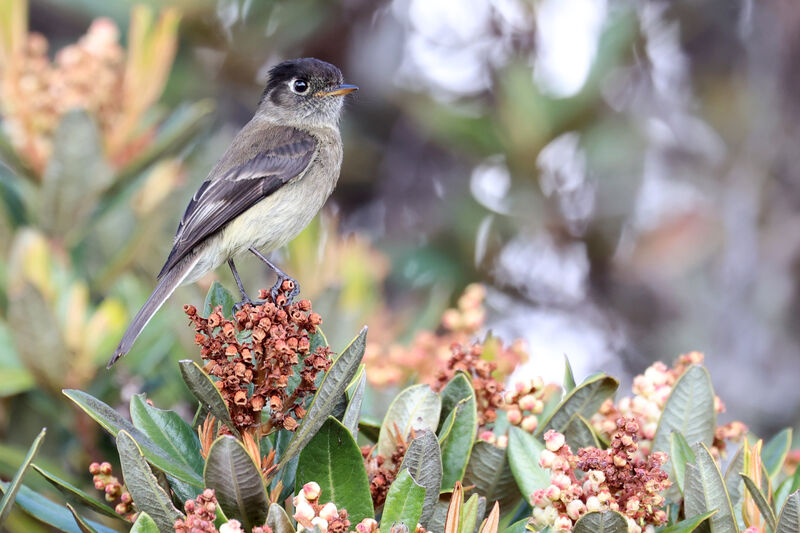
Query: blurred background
(618, 174)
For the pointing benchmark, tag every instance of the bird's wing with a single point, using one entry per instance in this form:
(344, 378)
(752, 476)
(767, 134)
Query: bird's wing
(220, 200)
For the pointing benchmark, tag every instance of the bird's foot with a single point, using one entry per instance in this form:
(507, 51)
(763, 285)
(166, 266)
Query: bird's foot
(238, 306)
(284, 291)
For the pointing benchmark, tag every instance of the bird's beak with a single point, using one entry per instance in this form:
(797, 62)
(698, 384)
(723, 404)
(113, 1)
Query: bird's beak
(341, 90)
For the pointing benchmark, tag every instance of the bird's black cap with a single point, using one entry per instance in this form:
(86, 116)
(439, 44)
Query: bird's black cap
(307, 68)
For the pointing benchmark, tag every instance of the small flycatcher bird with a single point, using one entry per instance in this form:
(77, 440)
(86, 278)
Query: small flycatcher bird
(276, 175)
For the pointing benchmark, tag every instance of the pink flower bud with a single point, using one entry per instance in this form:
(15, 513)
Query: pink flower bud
(562, 481)
(514, 416)
(231, 526)
(527, 402)
(575, 509)
(552, 493)
(487, 435)
(546, 459)
(368, 525)
(329, 511)
(553, 440)
(304, 514)
(321, 523)
(311, 491)
(502, 441)
(562, 523)
(593, 504)
(529, 423)
(537, 383)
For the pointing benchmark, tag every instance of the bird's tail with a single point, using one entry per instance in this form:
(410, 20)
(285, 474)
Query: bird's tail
(166, 286)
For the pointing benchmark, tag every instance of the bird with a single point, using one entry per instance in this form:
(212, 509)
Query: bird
(276, 175)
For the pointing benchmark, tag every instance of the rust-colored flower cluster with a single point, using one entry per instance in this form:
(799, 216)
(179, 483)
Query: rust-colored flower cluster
(488, 391)
(103, 479)
(616, 479)
(381, 471)
(392, 363)
(311, 514)
(262, 348)
(651, 391)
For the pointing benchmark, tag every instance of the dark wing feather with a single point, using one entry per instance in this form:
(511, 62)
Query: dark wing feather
(220, 200)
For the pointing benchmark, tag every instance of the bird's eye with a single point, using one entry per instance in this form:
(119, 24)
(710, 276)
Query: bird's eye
(300, 86)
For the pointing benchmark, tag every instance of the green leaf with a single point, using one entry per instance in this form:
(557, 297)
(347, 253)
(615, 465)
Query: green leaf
(781, 493)
(689, 411)
(75, 175)
(469, 515)
(353, 411)
(333, 459)
(490, 475)
(72, 492)
(82, 524)
(278, 520)
(681, 454)
(143, 485)
(404, 503)
(523, 456)
(218, 295)
(582, 401)
(734, 483)
(112, 422)
(774, 453)
(424, 460)
(789, 520)
(333, 385)
(690, 524)
(761, 501)
(517, 527)
(569, 377)
(203, 388)
(457, 389)
(49, 512)
(607, 522)
(238, 484)
(417, 408)
(169, 432)
(456, 443)
(16, 482)
(144, 524)
(705, 491)
(580, 434)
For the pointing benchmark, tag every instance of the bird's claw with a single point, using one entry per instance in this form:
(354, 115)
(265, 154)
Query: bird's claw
(293, 289)
(238, 306)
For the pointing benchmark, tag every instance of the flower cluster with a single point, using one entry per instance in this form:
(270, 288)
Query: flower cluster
(201, 514)
(615, 479)
(488, 391)
(104, 480)
(259, 351)
(382, 472)
(651, 391)
(430, 351)
(310, 514)
(524, 402)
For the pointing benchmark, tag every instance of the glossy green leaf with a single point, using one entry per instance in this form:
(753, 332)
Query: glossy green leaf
(469, 515)
(569, 377)
(50, 513)
(113, 422)
(761, 501)
(415, 408)
(705, 491)
(689, 411)
(690, 524)
(584, 401)
(73, 493)
(424, 460)
(734, 483)
(238, 484)
(169, 432)
(356, 394)
(278, 520)
(335, 382)
(218, 295)
(7, 501)
(333, 459)
(607, 522)
(774, 452)
(144, 524)
(490, 475)
(149, 496)
(83, 525)
(456, 441)
(456, 390)
(203, 388)
(523, 456)
(404, 503)
(517, 527)
(781, 493)
(580, 434)
(681, 454)
(789, 519)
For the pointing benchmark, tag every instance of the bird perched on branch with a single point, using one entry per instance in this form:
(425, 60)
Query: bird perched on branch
(273, 179)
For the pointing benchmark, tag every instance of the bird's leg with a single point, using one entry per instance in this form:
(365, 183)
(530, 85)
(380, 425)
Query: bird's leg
(245, 298)
(282, 276)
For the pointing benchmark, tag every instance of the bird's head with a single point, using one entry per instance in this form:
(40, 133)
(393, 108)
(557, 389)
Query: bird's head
(304, 91)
